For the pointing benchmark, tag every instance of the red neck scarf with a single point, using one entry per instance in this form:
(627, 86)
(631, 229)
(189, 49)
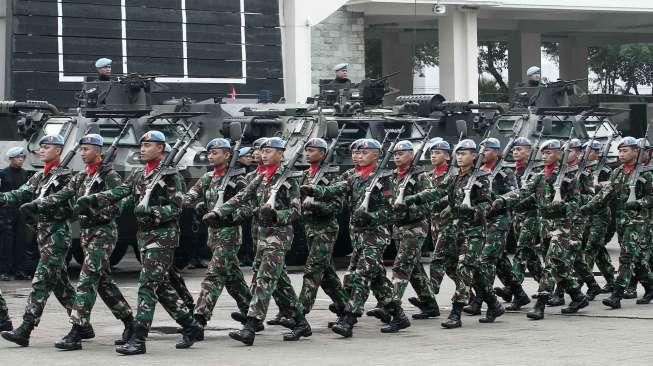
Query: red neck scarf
(151, 165)
(269, 170)
(489, 166)
(440, 169)
(92, 168)
(312, 170)
(49, 166)
(628, 167)
(548, 169)
(218, 171)
(402, 172)
(519, 166)
(365, 171)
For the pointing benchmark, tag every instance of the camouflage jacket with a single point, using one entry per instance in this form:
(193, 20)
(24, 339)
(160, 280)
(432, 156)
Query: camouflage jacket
(436, 180)
(326, 216)
(31, 191)
(504, 180)
(107, 178)
(206, 191)
(616, 193)
(417, 213)
(287, 200)
(351, 187)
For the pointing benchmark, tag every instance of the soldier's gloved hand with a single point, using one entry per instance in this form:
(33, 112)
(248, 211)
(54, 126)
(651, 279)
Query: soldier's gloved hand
(268, 216)
(361, 218)
(307, 190)
(633, 205)
(84, 203)
(213, 218)
(200, 208)
(143, 211)
(30, 209)
(498, 204)
(412, 200)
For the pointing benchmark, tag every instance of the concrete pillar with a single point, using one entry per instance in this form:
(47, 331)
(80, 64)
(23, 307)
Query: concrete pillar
(525, 51)
(396, 56)
(458, 43)
(573, 60)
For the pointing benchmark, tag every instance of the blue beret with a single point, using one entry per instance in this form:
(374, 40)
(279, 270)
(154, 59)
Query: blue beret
(533, 70)
(218, 143)
(15, 151)
(522, 141)
(317, 143)
(51, 140)
(466, 144)
(167, 149)
(354, 145)
(244, 151)
(153, 136)
(438, 143)
(274, 142)
(341, 66)
(643, 141)
(257, 143)
(491, 143)
(102, 62)
(550, 145)
(92, 139)
(369, 144)
(628, 141)
(596, 145)
(403, 145)
(574, 144)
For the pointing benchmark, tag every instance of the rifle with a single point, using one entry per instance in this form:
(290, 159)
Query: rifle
(531, 157)
(557, 185)
(108, 157)
(639, 164)
(467, 200)
(229, 173)
(58, 171)
(376, 175)
(413, 164)
(329, 154)
(601, 162)
(504, 153)
(582, 163)
(168, 162)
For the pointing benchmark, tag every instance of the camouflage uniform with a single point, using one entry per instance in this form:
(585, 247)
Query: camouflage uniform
(321, 228)
(53, 237)
(98, 235)
(157, 236)
(224, 242)
(273, 242)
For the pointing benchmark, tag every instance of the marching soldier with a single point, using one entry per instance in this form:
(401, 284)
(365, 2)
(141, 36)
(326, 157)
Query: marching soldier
(631, 218)
(54, 241)
(274, 241)
(157, 236)
(224, 242)
(98, 236)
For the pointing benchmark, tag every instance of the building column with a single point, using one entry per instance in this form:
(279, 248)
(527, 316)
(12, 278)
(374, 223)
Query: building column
(296, 51)
(573, 60)
(525, 51)
(458, 44)
(396, 57)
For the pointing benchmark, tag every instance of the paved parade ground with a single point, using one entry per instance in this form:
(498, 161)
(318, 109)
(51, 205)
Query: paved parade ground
(594, 336)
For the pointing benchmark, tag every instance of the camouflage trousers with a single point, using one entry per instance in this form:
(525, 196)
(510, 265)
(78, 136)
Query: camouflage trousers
(595, 251)
(319, 270)
(271, 276)
(559, 262)
(4, 312)
(493, 257)
(445, 260)
(154, 285)
(527, 255)
(179, 284)
(633, 256)
(223, 271)
(51, 274)
(470, 241)
(366, 270)
(95, 277)
(409, 241)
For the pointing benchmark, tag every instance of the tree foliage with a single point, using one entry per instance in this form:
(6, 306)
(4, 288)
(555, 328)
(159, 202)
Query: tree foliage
(493, 59)
(630, 63)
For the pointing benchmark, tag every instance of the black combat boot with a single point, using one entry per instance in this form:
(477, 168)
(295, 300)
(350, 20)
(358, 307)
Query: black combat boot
(453, 321)
(558, 297)
(494, 309)
(520, 299)
(538, 309)
(301, 329)
(193, 332)
(504, 293)
(578, 301)
(201, 320)
(426, 310)
(614, 301)
(72, 341)
(593, 290)
(5, 324)
(287, 322)
(86, 331)
(276, 320)
(474, 307)
(630, 292)
(648, 296)
(21, 335)
(136, 344)
(129, 324)
(399, 320)
(247, 334)
(345, 325)
(379, 313)
(609, 286)
(242, 319)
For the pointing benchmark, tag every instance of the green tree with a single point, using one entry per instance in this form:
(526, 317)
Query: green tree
(493, 59)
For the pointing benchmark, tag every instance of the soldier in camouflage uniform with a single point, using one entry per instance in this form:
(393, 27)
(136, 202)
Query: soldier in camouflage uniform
(527, 227)
(274, 241)
(558, 221)
(321, 227)
(5, 322)
(441, 225)
(469, 223)
(631, 219)
(54, 241)
(157, 236)
(370, 233)
(98, 235)
(224, 242)
(502, 180)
